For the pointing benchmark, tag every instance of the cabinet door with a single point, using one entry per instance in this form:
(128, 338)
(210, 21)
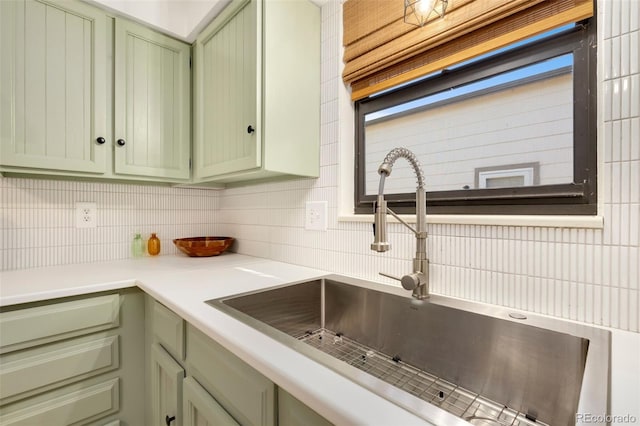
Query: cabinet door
(292, 412)
(200, 409)
(166, 387)
(52, 85)
(152, 103)
(246, 394)
(227, 124)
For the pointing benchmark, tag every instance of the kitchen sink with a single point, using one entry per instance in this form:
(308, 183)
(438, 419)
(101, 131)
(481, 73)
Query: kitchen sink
(446, 360)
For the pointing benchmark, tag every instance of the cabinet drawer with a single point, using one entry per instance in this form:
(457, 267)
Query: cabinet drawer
(200, 409)
(42, 368)
(65, 406)
(241, 390)
(168, 329)
(28, 327)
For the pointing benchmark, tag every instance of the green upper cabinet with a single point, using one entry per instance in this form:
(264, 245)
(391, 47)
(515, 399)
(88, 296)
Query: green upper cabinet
(87, 95)
(52, 86)
(257, 93)
(60, 61)
(226, 92)
(152, 103)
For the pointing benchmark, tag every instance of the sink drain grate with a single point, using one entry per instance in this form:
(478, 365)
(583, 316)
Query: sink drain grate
(456, 400)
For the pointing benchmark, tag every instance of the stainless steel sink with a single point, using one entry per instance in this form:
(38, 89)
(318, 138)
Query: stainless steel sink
(454, 361)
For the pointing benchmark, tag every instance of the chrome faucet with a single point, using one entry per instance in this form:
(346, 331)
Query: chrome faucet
(418, 280)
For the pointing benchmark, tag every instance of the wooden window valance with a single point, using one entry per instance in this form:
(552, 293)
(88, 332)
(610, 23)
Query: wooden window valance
(382, 51)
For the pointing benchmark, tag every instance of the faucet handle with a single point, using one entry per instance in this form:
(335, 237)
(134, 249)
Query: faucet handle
(393, 277)
(409, 281)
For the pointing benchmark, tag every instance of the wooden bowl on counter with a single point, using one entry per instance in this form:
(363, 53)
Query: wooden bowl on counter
(203, 246)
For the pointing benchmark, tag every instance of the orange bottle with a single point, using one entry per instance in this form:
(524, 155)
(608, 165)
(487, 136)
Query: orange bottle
(153, 245)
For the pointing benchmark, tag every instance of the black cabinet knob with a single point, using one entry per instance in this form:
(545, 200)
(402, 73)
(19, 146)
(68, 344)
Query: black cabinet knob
(100, 140)
(168, 420)
(250, 129)
(120, 142)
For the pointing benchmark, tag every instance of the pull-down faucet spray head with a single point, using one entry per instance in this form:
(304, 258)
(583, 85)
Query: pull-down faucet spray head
(418, 280)
(380, 243)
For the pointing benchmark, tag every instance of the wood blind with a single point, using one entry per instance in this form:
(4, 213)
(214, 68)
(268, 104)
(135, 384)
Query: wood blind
(382, 51)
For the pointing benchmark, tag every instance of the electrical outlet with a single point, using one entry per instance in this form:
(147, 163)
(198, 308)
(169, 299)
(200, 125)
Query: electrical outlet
(86, 215)
(315, 217)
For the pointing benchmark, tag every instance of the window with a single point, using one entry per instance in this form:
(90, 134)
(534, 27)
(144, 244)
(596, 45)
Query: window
(507, 176)
(500, 134)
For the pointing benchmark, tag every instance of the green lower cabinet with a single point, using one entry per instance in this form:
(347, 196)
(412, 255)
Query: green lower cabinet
(29, 326)
(219, 388)
(200, 409)
(36, 370)
(73, 361)
(168, 329)
(166, 388)
(248, 396)
(70, 405)
(292, 412)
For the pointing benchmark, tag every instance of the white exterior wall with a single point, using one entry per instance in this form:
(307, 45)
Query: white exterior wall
(524, 124)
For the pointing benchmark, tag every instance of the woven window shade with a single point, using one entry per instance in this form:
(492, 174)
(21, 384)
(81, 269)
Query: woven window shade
(382, 51)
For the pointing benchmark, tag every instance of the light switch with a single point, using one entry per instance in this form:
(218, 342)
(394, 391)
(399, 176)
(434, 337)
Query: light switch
(315, 218)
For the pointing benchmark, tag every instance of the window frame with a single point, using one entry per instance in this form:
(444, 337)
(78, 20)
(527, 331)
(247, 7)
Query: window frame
(530, 172)
(578, 198)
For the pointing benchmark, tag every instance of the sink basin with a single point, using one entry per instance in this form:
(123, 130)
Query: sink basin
(446, 360)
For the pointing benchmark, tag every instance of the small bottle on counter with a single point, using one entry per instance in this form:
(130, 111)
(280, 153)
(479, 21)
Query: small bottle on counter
(137, 246)
(153, 245)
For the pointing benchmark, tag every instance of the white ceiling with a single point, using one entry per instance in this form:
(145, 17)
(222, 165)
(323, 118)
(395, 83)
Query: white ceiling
(183, 19)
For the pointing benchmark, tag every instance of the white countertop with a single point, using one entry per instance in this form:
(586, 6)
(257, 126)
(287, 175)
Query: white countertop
(183, 284)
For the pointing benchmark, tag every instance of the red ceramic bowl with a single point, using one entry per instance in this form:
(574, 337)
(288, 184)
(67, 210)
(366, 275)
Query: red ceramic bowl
(203, 246)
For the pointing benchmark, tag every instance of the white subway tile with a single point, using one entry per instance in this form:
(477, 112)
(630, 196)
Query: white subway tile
(616, 18)
(634, 311)
(616, 58)
(634, 55)
(616, 99)
(625, 18)
(634, 95)
(634, 225)
(625, 97)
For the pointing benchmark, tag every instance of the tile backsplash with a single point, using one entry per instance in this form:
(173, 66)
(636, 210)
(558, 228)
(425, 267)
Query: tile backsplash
(37, 224)
(589, 275)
